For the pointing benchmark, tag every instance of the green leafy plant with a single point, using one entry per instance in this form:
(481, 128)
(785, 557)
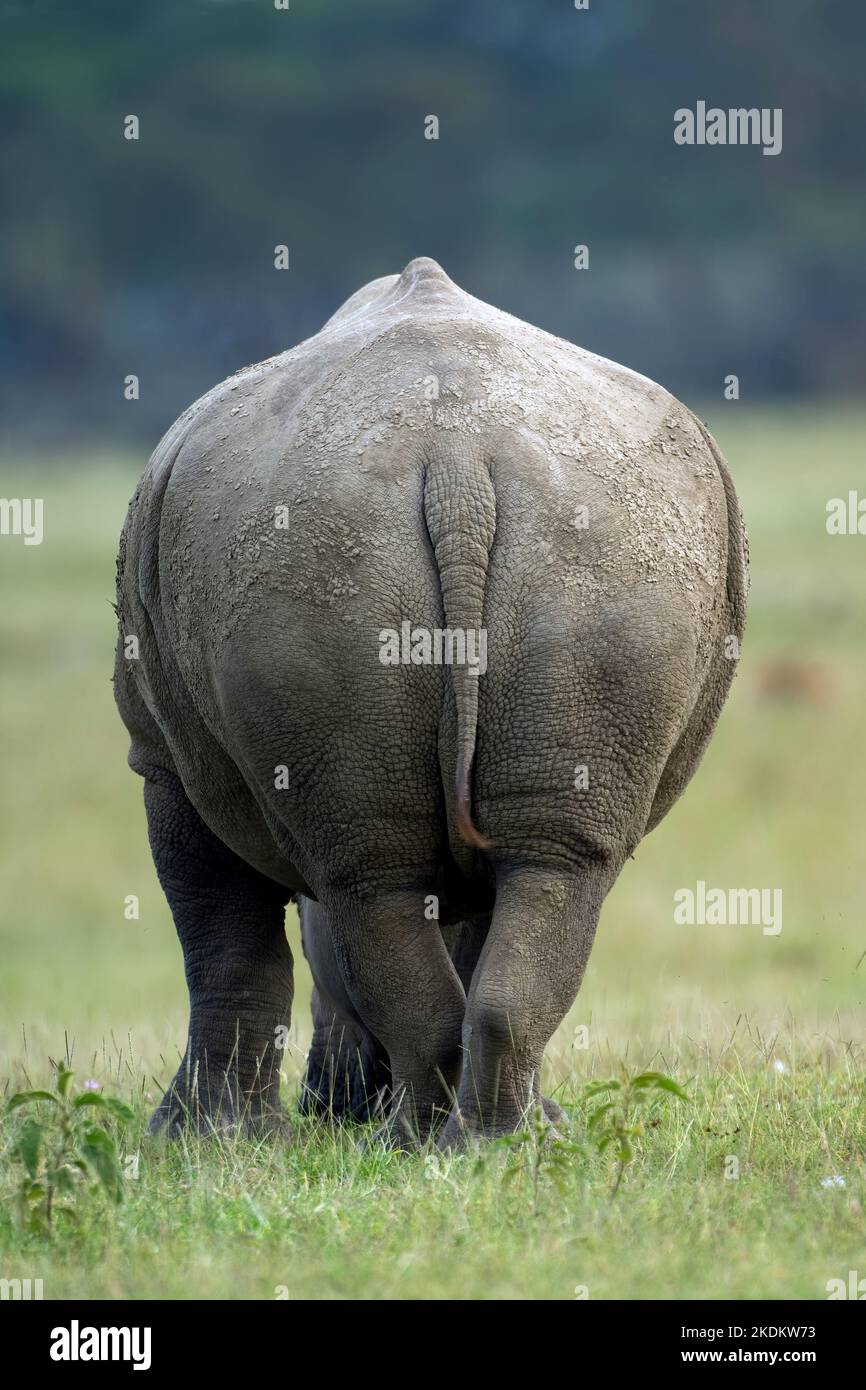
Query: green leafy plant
(61, 1148)
(619, 1120)
(540, 1153)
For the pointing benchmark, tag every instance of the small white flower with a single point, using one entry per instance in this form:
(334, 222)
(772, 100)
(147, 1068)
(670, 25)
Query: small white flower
(780, 1067)
(432, 1170)
(835, 1181)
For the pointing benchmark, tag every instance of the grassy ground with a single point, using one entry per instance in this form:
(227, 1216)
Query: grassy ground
(767, 1030)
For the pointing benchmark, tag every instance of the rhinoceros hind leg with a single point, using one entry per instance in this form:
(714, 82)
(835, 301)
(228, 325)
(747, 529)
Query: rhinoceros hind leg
(348, 1076)
(525, 982)
(406, 992)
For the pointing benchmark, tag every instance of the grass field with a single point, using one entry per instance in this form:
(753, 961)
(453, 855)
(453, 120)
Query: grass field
(767, 1032)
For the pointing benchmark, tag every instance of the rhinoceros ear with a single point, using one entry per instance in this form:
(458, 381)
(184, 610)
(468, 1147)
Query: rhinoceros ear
(362, 299)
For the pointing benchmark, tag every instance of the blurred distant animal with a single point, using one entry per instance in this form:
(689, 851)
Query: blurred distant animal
(793, 679)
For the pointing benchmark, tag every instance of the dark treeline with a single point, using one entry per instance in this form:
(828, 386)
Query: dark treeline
(305, 126)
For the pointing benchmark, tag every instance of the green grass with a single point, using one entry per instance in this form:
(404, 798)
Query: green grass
(321, 1218)
(777, 803)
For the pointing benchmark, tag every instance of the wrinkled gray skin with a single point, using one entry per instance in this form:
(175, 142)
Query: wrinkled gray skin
(423, 457)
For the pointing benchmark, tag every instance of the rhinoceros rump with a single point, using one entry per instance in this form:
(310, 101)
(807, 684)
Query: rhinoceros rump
(450, 835)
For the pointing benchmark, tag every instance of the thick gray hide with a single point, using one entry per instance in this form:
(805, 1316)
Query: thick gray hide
(424, 458)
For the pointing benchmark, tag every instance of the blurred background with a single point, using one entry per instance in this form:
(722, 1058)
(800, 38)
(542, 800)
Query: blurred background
(305, 127)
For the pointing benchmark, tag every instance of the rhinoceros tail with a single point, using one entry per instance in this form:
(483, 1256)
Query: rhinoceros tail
(460, 511)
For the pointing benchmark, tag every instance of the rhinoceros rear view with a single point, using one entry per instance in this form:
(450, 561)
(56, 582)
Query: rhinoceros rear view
(432, 616)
